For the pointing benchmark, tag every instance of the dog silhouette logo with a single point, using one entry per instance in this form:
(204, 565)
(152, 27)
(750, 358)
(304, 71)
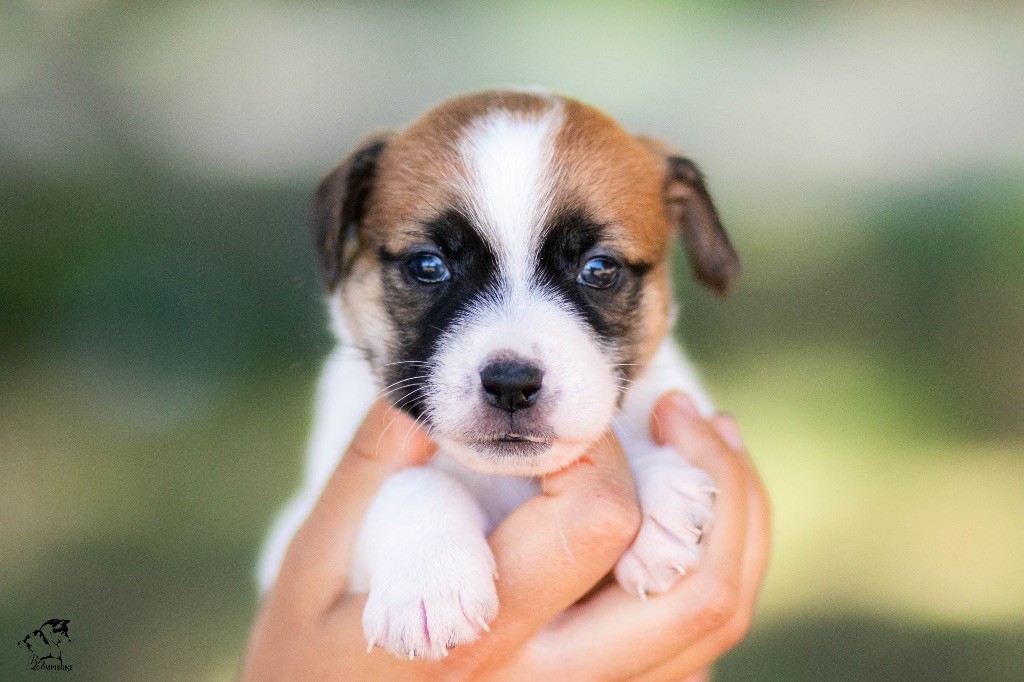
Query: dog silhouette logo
(47, 645)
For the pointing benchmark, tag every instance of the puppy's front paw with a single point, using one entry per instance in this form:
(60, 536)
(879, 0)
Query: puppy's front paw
(425, 602)
(676, 501)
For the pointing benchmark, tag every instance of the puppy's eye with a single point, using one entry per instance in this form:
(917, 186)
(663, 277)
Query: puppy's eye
(428, 268)
(599, 273)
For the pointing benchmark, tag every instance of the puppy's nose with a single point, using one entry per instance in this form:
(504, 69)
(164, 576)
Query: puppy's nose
(511, 384)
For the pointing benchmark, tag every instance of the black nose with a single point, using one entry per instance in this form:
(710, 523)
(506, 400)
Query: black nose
(511, 384)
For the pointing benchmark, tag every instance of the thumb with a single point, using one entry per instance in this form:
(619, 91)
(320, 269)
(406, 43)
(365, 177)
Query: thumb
(555, 547)
(676, 421)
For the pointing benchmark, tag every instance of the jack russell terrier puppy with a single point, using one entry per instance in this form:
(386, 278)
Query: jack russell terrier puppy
(499, 270)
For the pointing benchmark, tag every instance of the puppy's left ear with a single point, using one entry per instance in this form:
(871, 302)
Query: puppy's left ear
(340, 205)
(689, 207)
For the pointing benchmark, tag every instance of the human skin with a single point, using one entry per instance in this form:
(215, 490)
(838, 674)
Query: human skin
(550, 552)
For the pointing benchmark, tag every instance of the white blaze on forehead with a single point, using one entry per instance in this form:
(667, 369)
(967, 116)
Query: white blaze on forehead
(508, 156)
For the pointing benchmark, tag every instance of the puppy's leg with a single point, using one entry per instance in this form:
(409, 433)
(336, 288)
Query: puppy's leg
(425, 561)
(347, 390)
(675, 497)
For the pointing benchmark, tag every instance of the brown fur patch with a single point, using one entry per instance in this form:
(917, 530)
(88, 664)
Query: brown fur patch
(422, 170)
(616, 178)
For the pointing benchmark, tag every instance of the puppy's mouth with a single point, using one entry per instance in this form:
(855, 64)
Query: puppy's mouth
(514, 444)
(519, 438)
(512, 453)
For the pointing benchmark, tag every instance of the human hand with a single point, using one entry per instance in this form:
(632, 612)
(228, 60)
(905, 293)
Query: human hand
(550, 552)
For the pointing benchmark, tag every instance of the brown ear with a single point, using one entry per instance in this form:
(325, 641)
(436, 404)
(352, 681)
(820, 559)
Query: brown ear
(712, 259)
(340, 205)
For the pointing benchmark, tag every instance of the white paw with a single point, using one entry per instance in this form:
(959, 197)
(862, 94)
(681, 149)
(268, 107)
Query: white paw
(423, 603)
(676, 500)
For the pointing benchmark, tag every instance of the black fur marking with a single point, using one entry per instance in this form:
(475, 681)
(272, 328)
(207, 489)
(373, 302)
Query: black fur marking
(422, 312)
(613, 313)
(339, 207)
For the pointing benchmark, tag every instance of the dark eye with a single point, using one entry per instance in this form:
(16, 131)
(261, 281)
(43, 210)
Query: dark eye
(599, 273)
(428, 268)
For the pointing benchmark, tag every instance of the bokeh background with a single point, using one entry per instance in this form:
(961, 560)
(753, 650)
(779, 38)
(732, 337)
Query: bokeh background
(161, 326)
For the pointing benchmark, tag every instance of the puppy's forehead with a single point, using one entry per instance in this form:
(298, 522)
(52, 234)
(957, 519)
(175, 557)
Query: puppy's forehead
(512, 163)
(615, 179)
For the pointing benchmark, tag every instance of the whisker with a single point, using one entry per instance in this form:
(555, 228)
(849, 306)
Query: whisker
(404, 362)
(408, 395)
(398, 383)
(412, 378)
(381, 436)
(417, 422)
(621, 419)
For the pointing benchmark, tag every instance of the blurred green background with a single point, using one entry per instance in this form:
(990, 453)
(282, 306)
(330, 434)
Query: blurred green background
(161, 326)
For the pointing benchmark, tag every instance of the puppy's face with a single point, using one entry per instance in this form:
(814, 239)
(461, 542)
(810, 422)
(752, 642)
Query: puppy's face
(502, 263)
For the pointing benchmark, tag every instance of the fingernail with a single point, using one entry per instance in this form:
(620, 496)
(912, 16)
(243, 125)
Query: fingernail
(727, 428)
(683, 403)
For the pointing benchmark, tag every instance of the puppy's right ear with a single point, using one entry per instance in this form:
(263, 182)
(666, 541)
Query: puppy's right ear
(340, 206)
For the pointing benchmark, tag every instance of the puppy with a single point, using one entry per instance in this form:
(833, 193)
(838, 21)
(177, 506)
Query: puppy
(499, 270)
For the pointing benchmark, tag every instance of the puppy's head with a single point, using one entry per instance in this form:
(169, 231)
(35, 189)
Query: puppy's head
(502, 262)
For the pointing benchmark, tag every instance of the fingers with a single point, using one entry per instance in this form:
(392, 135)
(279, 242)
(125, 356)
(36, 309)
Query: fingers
(676, 421)
(558, 545)
(715, 643)
(595, 633)
(315, 568)
(729, 431)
